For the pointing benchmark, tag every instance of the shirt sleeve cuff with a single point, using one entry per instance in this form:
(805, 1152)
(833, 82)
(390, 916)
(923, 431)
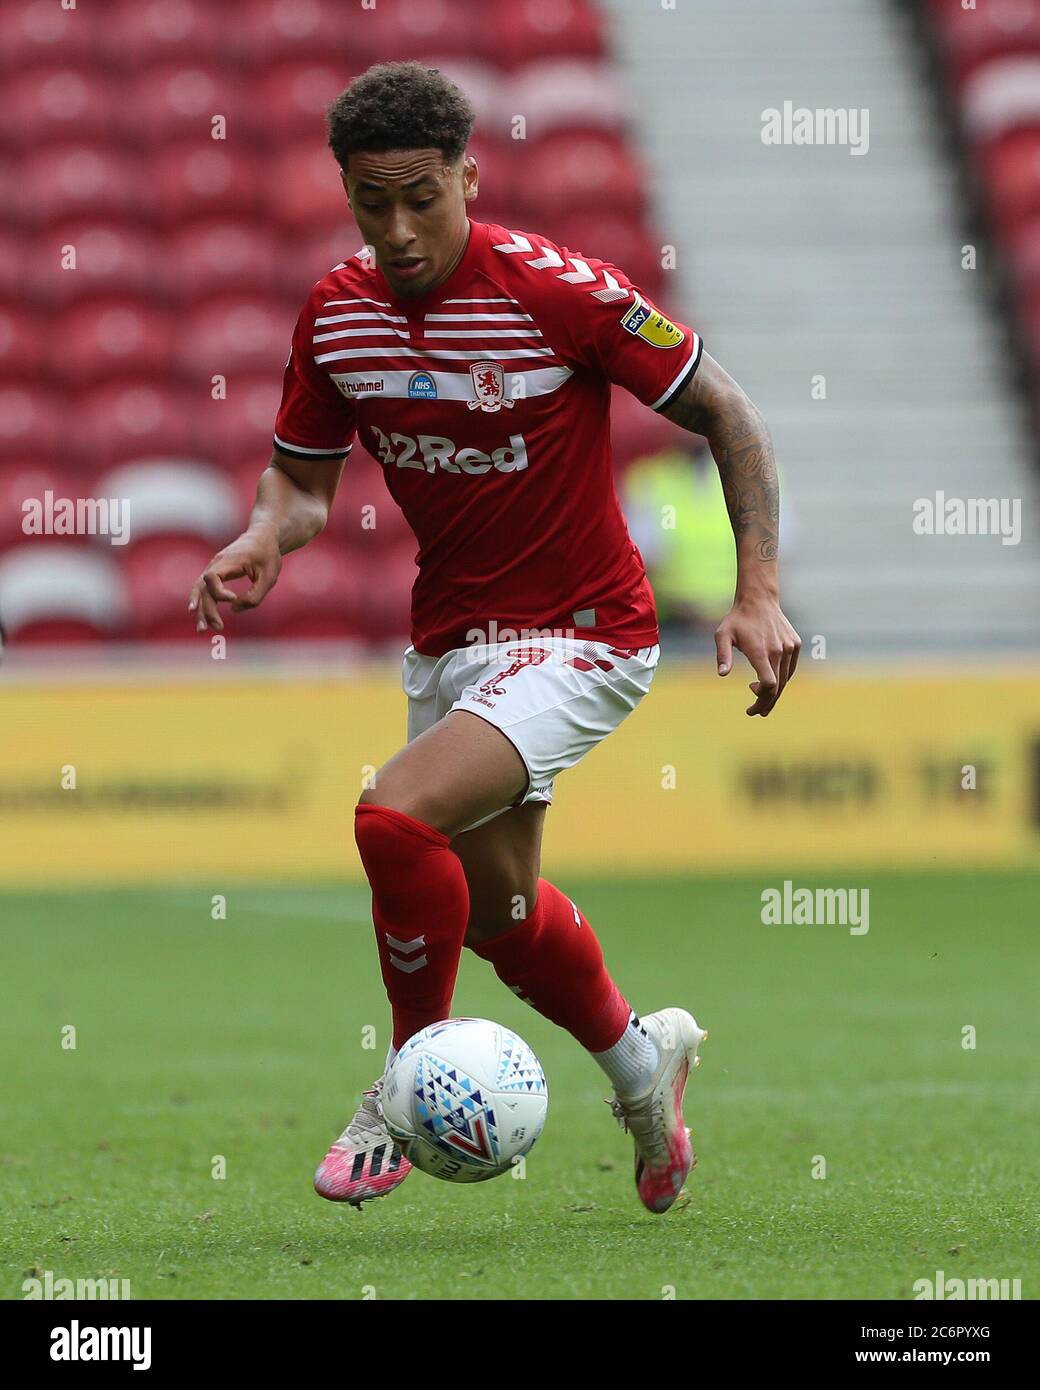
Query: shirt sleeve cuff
(684, 378)
(301, 451)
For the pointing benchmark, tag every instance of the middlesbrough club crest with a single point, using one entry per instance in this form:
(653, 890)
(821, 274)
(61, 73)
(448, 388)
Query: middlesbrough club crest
(488, 387)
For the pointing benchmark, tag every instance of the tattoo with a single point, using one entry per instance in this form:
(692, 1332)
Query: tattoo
(743, 451)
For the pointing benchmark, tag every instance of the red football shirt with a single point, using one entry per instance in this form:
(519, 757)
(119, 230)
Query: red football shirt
(487, 401)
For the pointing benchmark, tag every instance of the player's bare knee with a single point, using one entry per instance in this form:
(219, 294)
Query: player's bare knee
(387, 793)
(418, 805)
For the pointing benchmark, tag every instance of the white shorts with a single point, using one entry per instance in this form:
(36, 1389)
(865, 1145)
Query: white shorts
(554, 698)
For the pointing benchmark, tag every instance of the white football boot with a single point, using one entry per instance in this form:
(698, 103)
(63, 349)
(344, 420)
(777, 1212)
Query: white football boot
(654, 1116)
(364, 1162)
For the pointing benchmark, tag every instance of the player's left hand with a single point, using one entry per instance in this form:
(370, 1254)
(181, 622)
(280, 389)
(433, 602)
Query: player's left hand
(757, 627)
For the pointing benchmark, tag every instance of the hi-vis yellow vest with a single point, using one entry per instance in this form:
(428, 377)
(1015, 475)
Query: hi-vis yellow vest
(694, 559)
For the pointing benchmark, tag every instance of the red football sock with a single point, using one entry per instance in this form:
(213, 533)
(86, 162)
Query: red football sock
(553, 960)
(420, 906)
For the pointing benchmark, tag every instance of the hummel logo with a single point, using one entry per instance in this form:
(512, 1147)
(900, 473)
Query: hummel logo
(407, 948)
(582, 273)
(613, 293)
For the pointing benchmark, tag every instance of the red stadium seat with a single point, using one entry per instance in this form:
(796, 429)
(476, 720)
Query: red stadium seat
(69, 509)
(992, 29)
(20, 276)
(24, 343)
(142, 32)
(73, 181)
(482, 82)
(157, 576)
(238, 430)
(32, 420)
(52, 104)
(177, 101)
(1002, 97)
(524, 31)
(623, 241)
(51, 593)
(133, 417)
(266, 31)
(40, 31)
(294, 96)
(305, 258)
(497, 164)
(22, 482)
(111, 259)
(420, 28)
(111, 338)
(591, 173)
(218, 256)
(320, 593)
(1024, 252)
(303, 188)
(62, 631)
(233, 335)
(173, 497)
(204, 178)
(568, 94)
(1010, 171)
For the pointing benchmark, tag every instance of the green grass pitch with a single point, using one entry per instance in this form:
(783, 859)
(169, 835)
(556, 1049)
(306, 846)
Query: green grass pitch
(244, 1038)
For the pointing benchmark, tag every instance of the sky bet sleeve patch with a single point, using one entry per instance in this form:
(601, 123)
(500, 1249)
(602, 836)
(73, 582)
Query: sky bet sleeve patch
(651, 325)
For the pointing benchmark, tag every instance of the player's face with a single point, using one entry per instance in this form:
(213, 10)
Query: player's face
(411, 209)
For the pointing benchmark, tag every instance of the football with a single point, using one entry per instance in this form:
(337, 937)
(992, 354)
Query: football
(464, 1099)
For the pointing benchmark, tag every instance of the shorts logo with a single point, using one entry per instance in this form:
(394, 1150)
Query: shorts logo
(651, 325)
(422, 387)
(488, 387)
(525, 656)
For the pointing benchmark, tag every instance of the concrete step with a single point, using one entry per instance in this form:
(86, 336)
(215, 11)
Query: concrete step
(893, 369)
(856, 212)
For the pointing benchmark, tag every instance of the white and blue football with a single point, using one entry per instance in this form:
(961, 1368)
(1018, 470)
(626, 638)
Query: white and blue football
(465, 1098)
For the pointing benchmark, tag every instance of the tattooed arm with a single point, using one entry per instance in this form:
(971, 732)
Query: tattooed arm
(714, 405)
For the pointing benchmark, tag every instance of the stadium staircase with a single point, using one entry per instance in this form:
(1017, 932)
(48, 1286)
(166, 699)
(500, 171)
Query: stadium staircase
(807, 262)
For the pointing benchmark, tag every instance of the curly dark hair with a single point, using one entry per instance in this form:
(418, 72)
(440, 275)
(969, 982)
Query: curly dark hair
(400, 106)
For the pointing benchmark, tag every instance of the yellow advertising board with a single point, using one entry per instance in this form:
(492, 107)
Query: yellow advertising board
(231, 779)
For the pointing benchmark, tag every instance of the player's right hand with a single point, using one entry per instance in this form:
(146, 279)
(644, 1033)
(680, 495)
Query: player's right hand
(254, 556)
